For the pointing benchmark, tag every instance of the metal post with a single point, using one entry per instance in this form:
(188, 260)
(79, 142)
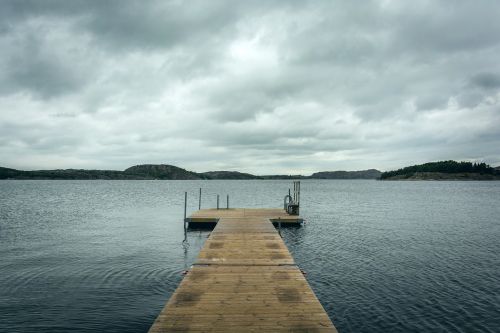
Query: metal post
(185, 209)
(298, 196)
(228, 201)
(217, 201)
(185, 204)
(199, 201)
(294, 191)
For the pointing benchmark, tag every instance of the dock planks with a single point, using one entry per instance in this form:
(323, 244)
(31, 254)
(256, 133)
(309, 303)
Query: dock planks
(212, 215)
(244, 280)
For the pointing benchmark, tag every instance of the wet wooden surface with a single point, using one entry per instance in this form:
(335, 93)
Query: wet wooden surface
(244, 280)
(211, 215)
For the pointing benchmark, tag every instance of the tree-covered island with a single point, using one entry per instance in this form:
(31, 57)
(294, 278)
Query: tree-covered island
(444, 170)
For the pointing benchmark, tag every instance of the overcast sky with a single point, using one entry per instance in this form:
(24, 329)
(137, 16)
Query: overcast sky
(255, 86)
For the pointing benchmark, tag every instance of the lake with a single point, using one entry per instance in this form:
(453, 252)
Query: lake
(105, 256)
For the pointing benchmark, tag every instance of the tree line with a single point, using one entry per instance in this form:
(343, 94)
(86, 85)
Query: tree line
(441, 166)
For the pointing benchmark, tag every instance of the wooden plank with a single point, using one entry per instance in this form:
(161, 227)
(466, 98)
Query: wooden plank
(244, 280)
(211, 215)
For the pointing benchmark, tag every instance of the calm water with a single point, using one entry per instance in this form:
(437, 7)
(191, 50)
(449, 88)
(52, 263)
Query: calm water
(92, 256)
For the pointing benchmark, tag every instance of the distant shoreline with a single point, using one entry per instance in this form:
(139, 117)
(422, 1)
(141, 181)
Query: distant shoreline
(170, 172)
(433, 171)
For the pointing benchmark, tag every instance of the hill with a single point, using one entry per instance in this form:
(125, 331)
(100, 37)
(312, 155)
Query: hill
(229, 175)
(444, 170)
(363, 174)
(162, 171)
(9, 173)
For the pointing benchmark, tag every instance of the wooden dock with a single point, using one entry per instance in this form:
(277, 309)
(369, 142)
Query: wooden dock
(244, 280)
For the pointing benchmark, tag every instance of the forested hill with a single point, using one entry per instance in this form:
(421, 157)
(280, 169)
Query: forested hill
(444, 170)
(162, 171)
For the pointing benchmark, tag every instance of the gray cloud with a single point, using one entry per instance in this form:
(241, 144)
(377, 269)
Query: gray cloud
(259, 86)
(486, 80)
(39, 71)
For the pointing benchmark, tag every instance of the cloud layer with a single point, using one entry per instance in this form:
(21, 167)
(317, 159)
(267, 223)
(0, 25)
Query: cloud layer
(261, 86)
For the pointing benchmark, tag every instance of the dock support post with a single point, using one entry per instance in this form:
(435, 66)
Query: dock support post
(185, 209)
(217, 201)
(227, 202)
(298, 192)
(294, 191)
(199, 201)
(279, 226)
(185, 204)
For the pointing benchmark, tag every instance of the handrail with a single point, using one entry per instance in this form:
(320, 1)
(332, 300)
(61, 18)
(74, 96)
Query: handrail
(285, 203)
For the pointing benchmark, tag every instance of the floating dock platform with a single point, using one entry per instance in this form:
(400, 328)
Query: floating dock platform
(244, 280)
(209, 217)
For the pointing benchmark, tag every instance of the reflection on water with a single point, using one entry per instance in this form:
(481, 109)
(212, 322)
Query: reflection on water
(92, 256)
